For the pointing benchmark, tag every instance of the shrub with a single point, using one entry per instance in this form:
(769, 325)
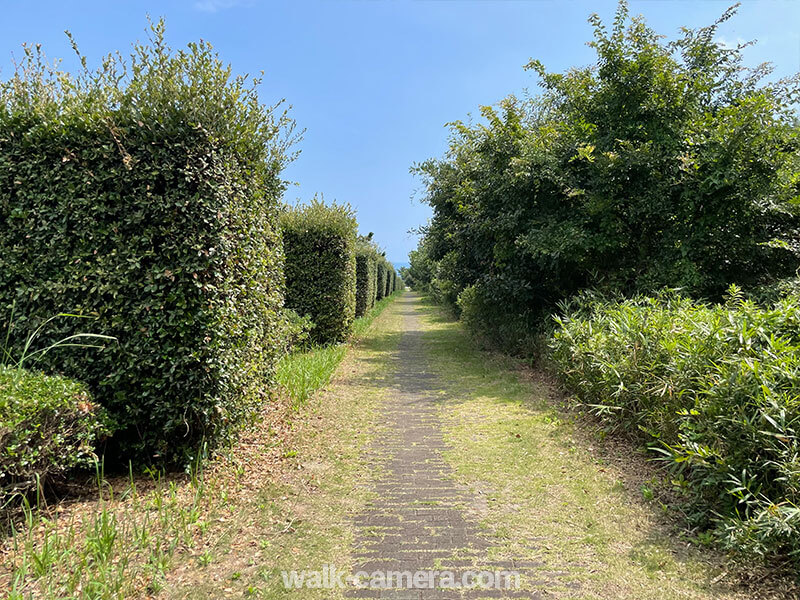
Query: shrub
(714, 390)
(366, 266)
(319, 246)
(382, 271)
(295, 331)
(146, 196)
(776, 290)
(389, 279)
(419, 273)
(529, 202)
(48, 425)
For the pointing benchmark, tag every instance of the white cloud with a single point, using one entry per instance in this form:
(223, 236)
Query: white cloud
(729, 44)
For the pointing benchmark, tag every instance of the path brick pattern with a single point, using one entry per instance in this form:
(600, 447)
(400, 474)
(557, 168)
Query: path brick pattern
(418, 519)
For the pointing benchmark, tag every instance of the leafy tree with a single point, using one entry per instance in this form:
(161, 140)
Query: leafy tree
(663, 164)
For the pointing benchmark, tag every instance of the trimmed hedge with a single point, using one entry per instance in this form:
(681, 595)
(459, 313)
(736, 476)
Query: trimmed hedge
(389, 276)
(149, 203)
(382, 273)
(365, 281)
(319, 246)
(48, 425)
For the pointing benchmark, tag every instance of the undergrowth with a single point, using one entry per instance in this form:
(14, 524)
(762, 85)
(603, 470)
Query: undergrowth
(714, 390)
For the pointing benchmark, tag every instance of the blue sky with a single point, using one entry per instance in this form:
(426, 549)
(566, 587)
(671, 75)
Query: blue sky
(374, 83)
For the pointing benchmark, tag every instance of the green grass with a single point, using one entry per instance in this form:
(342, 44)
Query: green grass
(362, 324)
(235, 517)
(303, 520)
(115, 550)
(551, 494)
(303, 373)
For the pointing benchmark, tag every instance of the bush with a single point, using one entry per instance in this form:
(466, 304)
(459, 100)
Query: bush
(48, 425)
(382, 271)
(714, 390)
(366, 275)
(295, 331)
(419, 273)
(319, 246)
(664, 164)
(389, 280)
(148, 201)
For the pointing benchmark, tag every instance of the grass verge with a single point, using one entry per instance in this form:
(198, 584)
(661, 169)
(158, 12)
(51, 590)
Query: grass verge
(277, 500)
(303, 373)
(549, 491)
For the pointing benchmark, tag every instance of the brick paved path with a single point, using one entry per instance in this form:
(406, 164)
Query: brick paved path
(418, 521)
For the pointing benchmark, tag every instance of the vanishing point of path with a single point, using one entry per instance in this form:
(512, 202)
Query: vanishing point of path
(419, 519)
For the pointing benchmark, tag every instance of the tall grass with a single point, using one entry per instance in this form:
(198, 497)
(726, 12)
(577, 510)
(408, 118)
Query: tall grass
(715, 392)
(123, 546)
(302, 373)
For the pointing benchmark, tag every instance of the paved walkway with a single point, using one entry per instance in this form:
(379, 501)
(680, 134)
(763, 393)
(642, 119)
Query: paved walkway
(418, 521)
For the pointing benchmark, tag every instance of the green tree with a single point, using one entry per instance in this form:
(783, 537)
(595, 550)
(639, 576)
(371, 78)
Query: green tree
(663, 164)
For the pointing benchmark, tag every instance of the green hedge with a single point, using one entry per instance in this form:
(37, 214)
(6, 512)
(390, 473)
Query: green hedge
(319, 246)
(382, 274)
(389, 278)
(713, 390)
(48, 425)
(150, 203)
(365, 281)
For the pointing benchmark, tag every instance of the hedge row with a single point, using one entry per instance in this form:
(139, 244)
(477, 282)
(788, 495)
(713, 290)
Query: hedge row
(150, 204)
(381, 279)
(366, 277)
(320, 269)
(376, 277)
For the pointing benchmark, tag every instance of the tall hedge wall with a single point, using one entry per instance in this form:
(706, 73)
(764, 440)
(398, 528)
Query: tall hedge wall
(382, 271)
(319, 245)
(150, 205)
(365, 281)
(390, 281)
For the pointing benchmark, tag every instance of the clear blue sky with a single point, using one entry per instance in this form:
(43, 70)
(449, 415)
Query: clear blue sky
(374, 83)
